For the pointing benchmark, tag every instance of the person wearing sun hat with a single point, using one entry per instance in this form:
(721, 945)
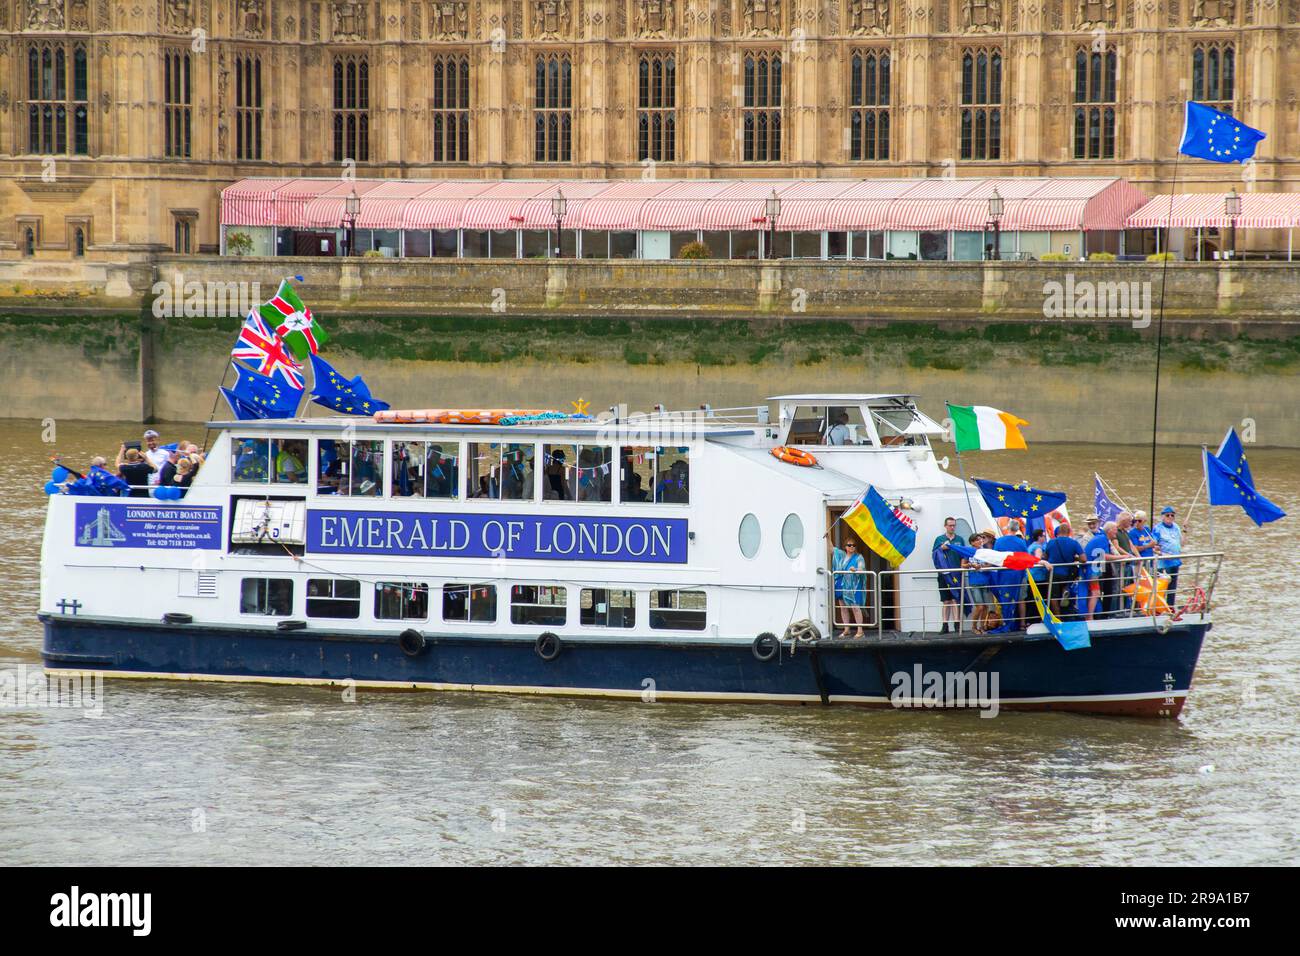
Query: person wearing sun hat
(1169, 541)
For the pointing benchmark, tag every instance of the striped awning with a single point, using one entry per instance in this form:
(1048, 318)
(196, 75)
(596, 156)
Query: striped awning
(1206, 211)
(811, 205)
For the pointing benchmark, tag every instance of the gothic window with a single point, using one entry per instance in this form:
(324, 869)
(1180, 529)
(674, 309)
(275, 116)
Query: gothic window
(553, 109)
(449, 112)
(1094, 104)
(57, 99)
(981, 104)
(656, 118)
(761, 113)
(869, 105)
(351, 109)
(248, 107)
(29, 241)
(183, 232)
(1214, 75)
(79, 242)
(177, 98)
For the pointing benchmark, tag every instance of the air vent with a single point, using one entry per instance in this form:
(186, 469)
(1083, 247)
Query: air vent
(197, 584)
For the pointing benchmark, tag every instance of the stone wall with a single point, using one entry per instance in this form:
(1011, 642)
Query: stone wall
(466, 332)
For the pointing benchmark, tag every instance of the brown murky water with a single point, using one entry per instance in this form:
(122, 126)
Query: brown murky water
(177, 773)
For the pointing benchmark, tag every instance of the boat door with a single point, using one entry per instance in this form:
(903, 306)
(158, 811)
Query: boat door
(882, 601)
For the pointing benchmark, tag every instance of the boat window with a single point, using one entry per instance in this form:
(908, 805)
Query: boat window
(501, 471)
(405, 601)
(828, 425)
(469, 602)
(792, 536)
(349, 467)
(289, 458)
(333, 597)
(750, 535)
(678, 610)
(576, 472)
(898, 426)
(541, 604)
(659, 474)
(599, 607)
(272, 596)
(249, 459)
(424, 469)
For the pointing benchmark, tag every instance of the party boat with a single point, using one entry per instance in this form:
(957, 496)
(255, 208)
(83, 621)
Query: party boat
(665, 556)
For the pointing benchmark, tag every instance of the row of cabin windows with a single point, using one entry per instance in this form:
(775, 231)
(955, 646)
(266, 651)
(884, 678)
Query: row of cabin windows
(531, 605)
(58, 103)
(503, 471)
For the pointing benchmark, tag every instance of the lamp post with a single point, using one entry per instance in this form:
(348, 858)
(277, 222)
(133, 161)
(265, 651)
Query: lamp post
(559, 205)
(995, 216)
(773, 209)
(352, 208)
(1232, 209)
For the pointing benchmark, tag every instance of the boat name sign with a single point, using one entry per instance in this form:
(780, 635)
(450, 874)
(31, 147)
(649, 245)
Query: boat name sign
(545, 537)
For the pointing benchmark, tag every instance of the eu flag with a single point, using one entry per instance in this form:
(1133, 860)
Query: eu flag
(259, 396)
(1228, 482)
(351, 396)
(1210, 134)
(1018, 501)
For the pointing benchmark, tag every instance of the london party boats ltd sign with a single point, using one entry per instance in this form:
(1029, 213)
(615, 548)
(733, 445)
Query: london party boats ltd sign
(173, 527)
(544, 537)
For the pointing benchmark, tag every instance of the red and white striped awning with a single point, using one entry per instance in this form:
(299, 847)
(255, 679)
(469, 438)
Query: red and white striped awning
(934, 204)
(1206, 211)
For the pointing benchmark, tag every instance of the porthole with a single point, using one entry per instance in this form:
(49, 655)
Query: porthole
(750, 536)
(792, 536)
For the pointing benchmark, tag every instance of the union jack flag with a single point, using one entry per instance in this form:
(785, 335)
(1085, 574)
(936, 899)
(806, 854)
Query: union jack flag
(262, 347)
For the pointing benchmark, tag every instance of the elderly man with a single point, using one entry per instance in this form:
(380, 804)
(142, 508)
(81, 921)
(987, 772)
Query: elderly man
(1169, 542)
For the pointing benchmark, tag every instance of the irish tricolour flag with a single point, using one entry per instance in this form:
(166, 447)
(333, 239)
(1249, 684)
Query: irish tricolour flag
(286, 314)
(981, 428)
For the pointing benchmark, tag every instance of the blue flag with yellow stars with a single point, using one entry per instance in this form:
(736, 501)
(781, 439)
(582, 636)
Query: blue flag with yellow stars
(259, 396)
(1228, 482)
(1210, 134)
(1018, 501)
(351, 396)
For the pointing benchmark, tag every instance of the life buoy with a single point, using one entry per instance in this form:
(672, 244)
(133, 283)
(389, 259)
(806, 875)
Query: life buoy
(765, 646)
(411, 642)
(794, 456)
(548, 646)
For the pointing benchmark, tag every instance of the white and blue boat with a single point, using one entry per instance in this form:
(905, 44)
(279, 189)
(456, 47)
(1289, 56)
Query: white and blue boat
(665, 556)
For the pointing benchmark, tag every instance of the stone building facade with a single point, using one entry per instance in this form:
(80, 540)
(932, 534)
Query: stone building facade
(121, 120)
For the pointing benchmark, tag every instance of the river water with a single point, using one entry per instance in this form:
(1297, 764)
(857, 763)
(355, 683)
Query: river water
(230, 774)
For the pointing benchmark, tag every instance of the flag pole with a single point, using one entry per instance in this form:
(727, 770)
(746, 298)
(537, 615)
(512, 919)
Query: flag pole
(1160, 328)
(961, 468)
(1209, 505)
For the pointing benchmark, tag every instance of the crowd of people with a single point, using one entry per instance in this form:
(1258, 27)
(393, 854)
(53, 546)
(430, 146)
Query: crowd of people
(148, 464)
(1108, 570)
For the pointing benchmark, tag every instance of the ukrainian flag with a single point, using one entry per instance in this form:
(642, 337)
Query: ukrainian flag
(882, 528)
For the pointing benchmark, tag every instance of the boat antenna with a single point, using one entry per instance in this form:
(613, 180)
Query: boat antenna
(1160, 328)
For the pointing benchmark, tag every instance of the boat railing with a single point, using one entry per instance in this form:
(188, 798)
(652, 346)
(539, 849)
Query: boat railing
(1127, 587)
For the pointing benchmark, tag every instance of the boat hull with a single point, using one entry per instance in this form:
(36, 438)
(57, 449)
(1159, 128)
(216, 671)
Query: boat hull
(1132, 671)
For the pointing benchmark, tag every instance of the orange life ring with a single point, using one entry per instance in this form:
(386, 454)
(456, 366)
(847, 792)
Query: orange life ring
(454, 416)
(794, 456)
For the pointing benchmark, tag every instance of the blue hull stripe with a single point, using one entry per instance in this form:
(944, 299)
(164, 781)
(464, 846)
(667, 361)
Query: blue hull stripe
(1139, 666)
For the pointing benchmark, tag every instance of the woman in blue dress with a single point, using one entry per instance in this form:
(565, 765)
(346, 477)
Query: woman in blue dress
(850, 587)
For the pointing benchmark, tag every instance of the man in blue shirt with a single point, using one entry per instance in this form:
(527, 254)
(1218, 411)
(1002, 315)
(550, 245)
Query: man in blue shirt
(1095, 551)
(1067, 559)
(1010, 584)
(1169, 541)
